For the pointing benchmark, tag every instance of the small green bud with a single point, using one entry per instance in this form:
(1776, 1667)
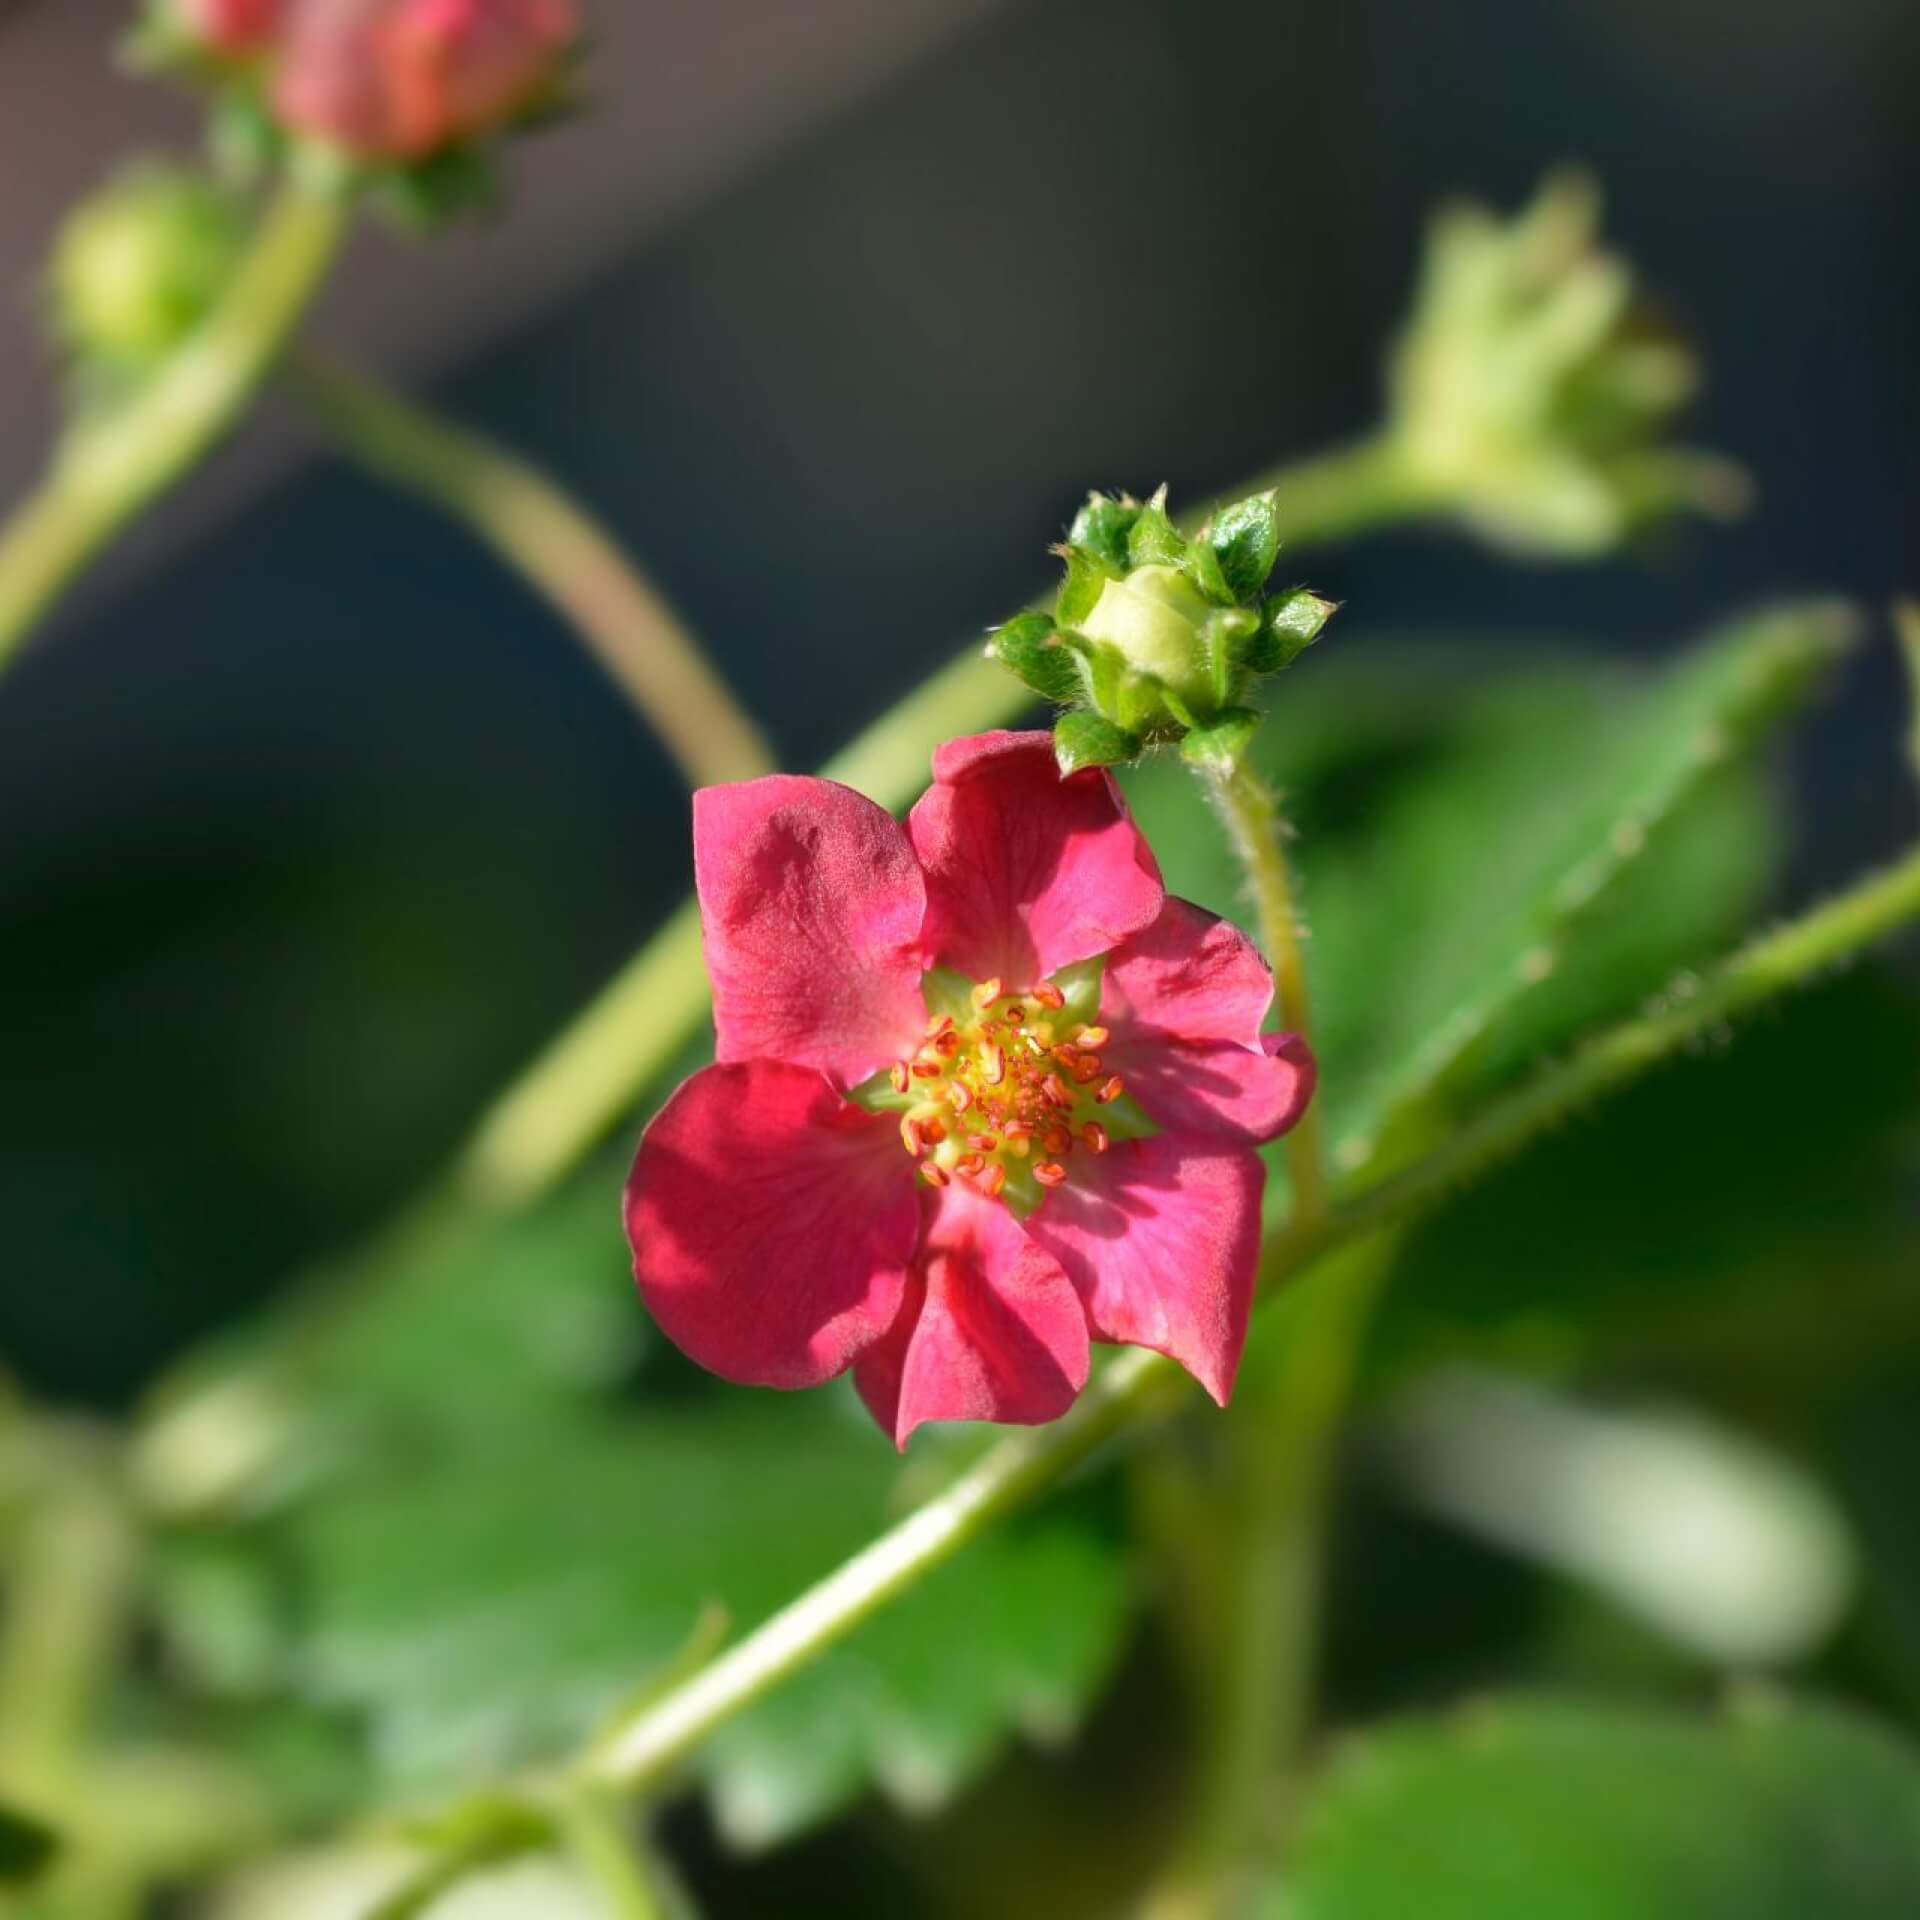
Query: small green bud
(136, 268)
(1157, 636)
(1154, 618)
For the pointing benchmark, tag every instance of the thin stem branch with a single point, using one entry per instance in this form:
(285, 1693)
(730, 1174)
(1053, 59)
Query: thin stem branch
(1133, 1386)
(112, 468)
(608, 1857)
(558, 547)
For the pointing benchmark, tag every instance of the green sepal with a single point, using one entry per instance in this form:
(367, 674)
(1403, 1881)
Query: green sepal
(1029, 649)
(1229, 636)
(1245, 538)
(1086, 740)
(1153, 539)
(1201, 565)
(1219, 745)
(1290, 623)
(1087, 577)
(1102, 528)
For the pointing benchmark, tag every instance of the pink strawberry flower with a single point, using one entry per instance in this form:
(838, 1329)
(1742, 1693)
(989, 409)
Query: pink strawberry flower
(401, 79)
(984, 1093)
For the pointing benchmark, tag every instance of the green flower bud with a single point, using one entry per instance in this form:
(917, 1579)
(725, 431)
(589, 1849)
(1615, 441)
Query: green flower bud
(135, 268)
(1529, 394)
(1157, 636)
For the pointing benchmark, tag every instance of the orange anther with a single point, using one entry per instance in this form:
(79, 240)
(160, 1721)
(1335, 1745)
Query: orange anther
(910, 1135)
(1049, 995)
(983, 1142)
(1087, 1068)
(934, 1174)
(1015, 1014)
(932, 1131)
(926, 1070)
(959, 1096)
(1093, 1036)
(993, 1065)
(897, 1073)
(1057, 1140)
(993, 1179)
(1095, 1135)
(938, 1025)
(947, 1044)
(1049, 1173)
(1112, 1090)
(987, 992)
(1054, 1089)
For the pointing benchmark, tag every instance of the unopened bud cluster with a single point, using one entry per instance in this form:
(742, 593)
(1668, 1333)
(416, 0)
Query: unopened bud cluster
(396, 84)
(1530, 392)
(1156, 636)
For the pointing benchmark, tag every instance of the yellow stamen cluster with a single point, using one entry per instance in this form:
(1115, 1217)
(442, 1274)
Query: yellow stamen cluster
(1013, 1087)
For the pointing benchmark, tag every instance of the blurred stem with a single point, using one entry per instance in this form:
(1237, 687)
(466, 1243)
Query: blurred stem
(1252, 1544)
(652, 1741)
(560, 549)
(110, 469)
(608, 1857)
(68, 1581)
(1906, 630)
(1346, 491)
(1251, 815)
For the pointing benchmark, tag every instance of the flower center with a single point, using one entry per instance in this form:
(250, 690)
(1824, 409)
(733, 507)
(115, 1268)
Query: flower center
(1008, 1089)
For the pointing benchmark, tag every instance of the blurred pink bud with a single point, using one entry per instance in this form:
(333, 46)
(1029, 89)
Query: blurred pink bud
(400, 79)
(232, 26)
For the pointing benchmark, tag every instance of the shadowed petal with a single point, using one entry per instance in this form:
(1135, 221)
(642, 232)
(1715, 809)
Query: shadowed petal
(771, 1223)
(811, 903)
(1027, 872)
(1183, 1000)
(1161, 1238)
(989, 1328)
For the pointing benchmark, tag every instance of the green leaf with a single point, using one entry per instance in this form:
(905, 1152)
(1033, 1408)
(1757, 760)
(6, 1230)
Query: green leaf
(27, 1846)
(1086, 740)
(1246, 541)
(487, 1608)
(1027, 647)
(1531, 1810)
(1222, 744)
(1486, 870)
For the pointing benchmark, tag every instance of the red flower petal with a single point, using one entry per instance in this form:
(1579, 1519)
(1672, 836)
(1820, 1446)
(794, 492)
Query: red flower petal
(1161, 1238)
(989, 1329)
(811, 903)
(1027, 872)
(1184, 1000)
(771, 1223)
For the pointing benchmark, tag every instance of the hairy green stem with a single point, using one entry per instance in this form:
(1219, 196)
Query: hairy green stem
(1252, 819)
(1345, 491)
(111, 469)
(560, 549)
(645, 1748)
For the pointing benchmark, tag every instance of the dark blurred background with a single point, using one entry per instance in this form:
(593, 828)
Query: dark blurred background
(315, 824)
